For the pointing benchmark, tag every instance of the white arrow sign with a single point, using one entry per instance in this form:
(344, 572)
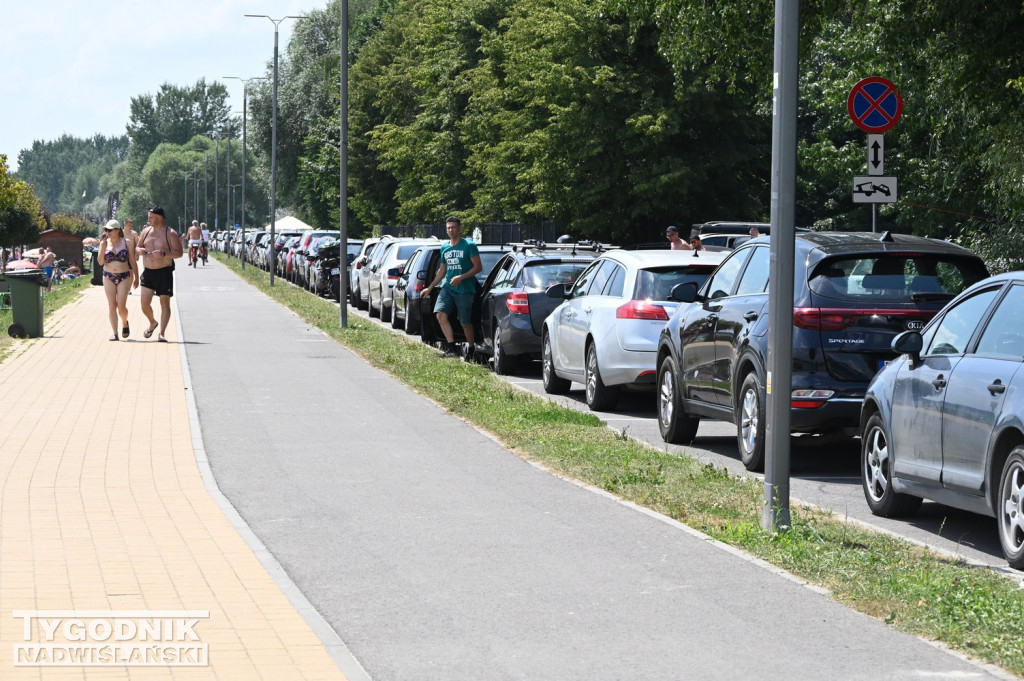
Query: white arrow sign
(876, 154)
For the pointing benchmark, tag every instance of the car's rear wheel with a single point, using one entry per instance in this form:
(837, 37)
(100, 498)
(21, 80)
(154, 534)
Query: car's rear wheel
(1010, 509)
(410, 321)
(599, 396)
(750, 423)
(502, 362)
(676, 426)
(876, 473)
(553, 383)
(385, 311)
(396, 323)
(371, 310)
(353, 297)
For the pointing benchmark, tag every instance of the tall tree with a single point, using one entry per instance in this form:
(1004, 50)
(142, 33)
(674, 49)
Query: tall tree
(21, 216)
(177, 114)
(63, 170)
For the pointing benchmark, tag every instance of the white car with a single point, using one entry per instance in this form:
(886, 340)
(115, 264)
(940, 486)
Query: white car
(605, 334)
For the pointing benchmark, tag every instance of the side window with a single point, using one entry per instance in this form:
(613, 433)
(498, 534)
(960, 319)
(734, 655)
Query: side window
(513, 273)
(722, 281)
(601, 278)
(616, 282)
(499, 277)
(755, 277)
(1003, 336)
(583, 283)
(951, 335)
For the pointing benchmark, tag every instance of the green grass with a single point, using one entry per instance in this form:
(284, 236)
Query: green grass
(974, 610)
(53, 300)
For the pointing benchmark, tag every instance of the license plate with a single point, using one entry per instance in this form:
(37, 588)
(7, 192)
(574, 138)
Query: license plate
(335, 270)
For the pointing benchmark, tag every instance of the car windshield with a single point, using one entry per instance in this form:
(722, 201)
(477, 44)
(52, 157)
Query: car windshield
(892, 277)
(544, 275)
(657, 283)
(405, 251)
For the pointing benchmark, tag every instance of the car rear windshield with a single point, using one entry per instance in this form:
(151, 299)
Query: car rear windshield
(895, 277)
(544, 275)
(405, 251)
(657, 283)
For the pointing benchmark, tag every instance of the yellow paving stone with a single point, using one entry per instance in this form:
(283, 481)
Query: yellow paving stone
(103, 508)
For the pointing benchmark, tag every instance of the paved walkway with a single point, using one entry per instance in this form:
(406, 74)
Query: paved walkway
(104, 510)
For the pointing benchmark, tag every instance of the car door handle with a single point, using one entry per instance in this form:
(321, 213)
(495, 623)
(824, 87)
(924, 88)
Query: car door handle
(939, 382)
(997, 387)
(750, 316)
(711, 319)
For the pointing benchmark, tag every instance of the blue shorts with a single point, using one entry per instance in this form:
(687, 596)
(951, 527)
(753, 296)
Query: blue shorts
(449, 301)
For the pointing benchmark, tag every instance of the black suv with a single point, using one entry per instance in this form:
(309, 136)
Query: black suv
(512, 305)
(853, 292)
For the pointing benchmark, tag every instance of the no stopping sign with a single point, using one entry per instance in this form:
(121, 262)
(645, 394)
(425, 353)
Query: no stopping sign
(874, 104)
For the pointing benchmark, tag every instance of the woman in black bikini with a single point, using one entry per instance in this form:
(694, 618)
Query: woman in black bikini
(120, 273)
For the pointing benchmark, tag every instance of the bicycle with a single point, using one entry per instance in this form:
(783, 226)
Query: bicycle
(192, 256)
(204, 253)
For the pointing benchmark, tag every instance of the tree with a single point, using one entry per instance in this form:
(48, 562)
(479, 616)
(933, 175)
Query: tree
(176, 115)
(20, 210)
(63, 170)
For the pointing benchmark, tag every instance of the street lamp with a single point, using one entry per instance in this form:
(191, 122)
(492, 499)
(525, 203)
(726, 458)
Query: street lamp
(273, 145)
(231, 200)
(245, 99)
(343, 150)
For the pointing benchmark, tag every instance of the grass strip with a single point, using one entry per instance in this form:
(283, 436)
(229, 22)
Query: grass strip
(61, 294)
(973, 610)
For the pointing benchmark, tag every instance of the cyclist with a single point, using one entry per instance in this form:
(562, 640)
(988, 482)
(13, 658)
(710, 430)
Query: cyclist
(206, 243)
(195, 241)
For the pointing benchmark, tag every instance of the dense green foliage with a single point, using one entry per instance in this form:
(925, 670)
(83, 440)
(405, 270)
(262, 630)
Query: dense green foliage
(21, 216)
(610, 117)
(69, 174)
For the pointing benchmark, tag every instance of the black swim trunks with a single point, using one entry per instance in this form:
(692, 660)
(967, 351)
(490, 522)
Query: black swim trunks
(161, 280)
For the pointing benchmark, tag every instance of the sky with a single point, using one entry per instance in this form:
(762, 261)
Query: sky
(68, 66)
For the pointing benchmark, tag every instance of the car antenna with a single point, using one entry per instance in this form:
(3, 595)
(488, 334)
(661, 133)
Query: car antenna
(887, 237)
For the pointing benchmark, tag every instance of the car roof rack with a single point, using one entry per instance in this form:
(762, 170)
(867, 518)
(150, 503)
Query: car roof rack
(538, 246)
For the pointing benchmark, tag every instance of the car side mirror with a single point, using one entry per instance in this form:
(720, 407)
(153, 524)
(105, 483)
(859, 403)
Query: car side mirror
(684, 293)
(421, 275)
(558, 291)
(395, 272)
(909, 343)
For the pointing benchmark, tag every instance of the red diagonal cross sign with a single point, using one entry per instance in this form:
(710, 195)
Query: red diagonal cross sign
(875, 104)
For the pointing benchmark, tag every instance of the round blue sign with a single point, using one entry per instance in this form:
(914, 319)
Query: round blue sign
(874, 104)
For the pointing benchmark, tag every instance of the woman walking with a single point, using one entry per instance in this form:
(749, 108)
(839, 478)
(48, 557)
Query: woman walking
(120, 273)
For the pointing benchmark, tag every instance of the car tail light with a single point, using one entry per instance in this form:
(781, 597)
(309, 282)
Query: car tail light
(641, 309)
(418, 286)
(837, 319)
(518, 302)
(809, 399)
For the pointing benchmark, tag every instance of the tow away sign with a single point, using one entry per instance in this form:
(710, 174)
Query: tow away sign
(874, 189)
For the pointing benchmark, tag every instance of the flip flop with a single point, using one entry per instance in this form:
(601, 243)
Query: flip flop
(125, 331)
(161, 339)
(113, 338)
(149, 332)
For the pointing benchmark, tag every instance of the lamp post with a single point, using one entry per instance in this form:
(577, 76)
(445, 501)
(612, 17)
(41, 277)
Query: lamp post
(245, 99)
(206, 190)
(273, 146)
(231, 200)
(343, 180)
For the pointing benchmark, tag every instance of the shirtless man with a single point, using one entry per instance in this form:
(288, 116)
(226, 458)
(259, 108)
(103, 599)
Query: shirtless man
(159, 245)
(195, 242)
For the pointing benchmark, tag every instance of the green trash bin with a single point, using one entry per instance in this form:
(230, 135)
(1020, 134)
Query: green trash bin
(26, 302)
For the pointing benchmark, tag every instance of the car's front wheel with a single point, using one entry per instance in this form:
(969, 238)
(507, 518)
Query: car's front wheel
(876, 473)
(553, 383)
(599, 396)
(410, 323)
(1010, 509)
(676, 426)
(750, 423)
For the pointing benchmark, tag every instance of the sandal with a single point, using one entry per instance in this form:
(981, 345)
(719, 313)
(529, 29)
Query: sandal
(161, 339)
(113, 337)
(125, 331)
(149, 332)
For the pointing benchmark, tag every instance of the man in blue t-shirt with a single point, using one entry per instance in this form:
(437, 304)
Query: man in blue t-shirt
(460, 263)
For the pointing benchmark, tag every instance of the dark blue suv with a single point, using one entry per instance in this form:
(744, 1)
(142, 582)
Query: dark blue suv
(853, 292)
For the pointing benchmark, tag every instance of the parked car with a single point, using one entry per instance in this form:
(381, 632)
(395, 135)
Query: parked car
(853, 292)
(725, 241)
(513, 301)
(368, 268)
(357, 265)
(430, 329)
(408, 287)
(301, 260)
(282, 245)
(605, 334)
(945, 420)
(383, 278)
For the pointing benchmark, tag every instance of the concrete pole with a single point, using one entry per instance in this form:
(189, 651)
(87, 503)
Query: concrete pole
(343, 194)
(775, 516)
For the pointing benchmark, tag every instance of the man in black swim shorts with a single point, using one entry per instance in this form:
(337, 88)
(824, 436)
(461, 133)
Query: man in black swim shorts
(159, 245)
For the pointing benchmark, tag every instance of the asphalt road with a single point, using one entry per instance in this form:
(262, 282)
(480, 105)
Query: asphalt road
(435, 553)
